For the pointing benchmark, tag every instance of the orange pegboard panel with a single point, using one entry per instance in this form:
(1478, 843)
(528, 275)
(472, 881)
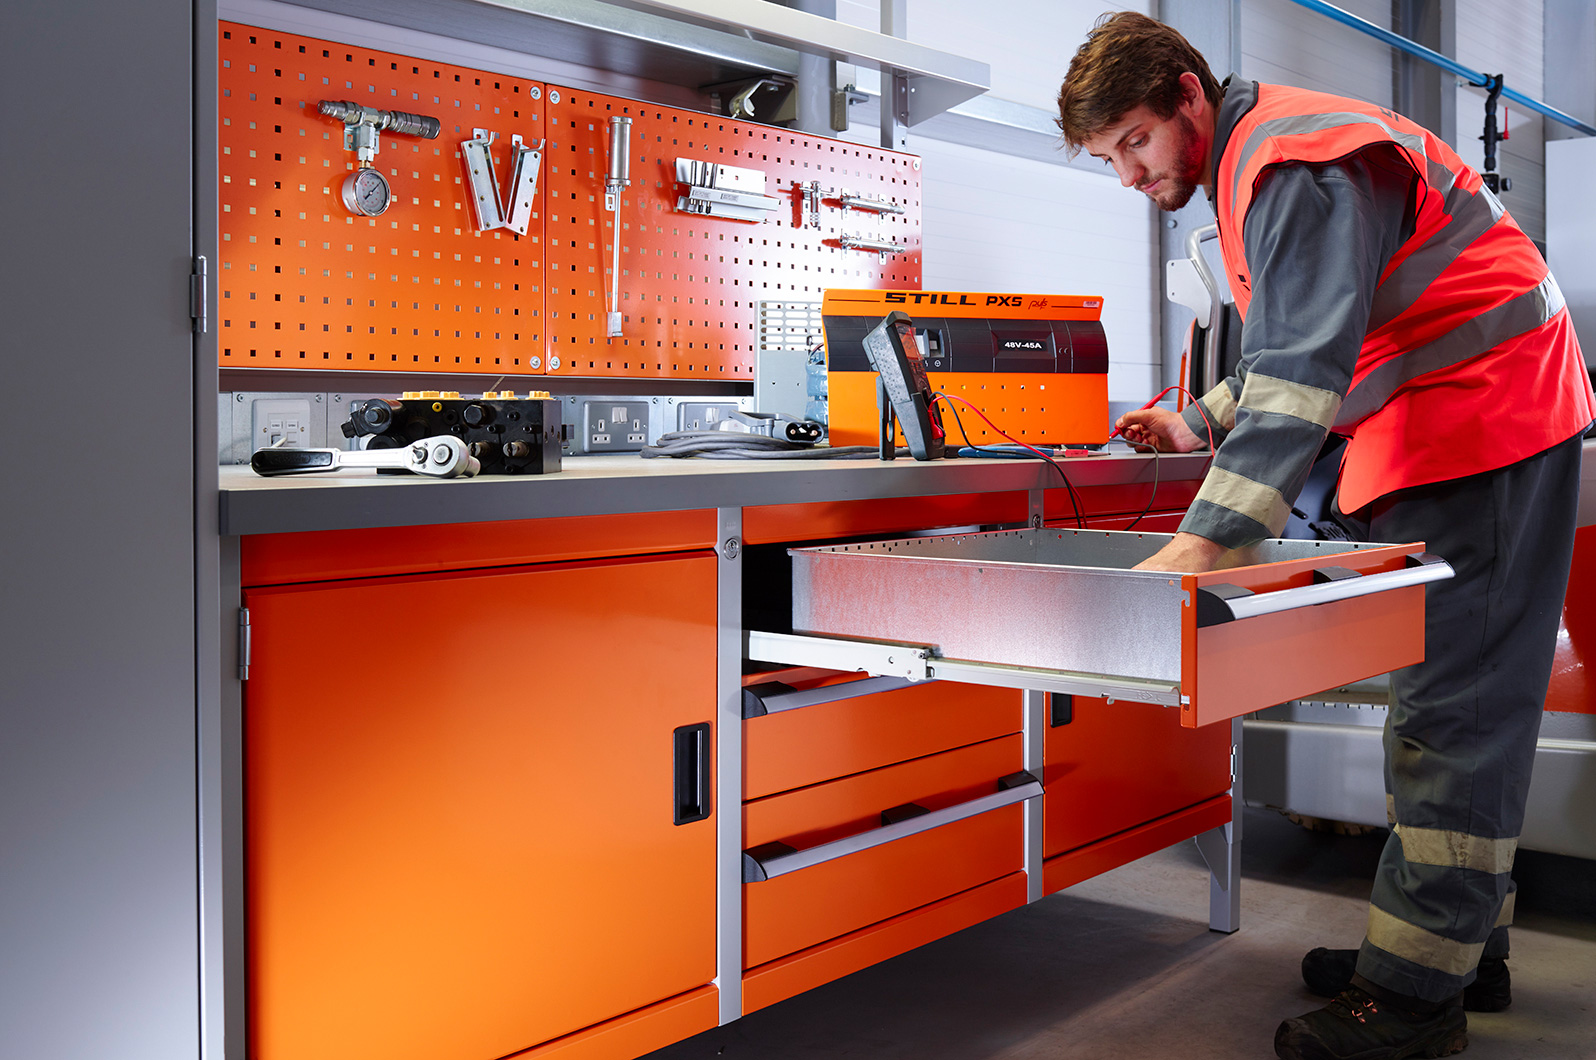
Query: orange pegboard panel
(690, 284)
(303, 283)
(306, 284)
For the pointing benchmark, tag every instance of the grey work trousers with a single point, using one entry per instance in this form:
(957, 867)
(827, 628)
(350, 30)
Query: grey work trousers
(1460, 737)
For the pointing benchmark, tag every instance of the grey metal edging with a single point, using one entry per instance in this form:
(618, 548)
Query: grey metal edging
(1034, 705)
(614, 485)
(937, 80)
(511, 36)
(728, 795)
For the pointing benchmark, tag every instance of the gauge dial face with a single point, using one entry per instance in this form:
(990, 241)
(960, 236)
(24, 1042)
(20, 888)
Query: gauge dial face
(366, 192)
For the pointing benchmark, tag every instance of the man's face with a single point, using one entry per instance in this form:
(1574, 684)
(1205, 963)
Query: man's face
(1164, 157)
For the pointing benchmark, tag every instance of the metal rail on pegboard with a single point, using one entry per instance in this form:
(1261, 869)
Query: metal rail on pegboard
(306, 283)
(690, 284)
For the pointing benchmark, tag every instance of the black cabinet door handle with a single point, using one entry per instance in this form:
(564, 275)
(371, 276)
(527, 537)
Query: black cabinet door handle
(690, 766)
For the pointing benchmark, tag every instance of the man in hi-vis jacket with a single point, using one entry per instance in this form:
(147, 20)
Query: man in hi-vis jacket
(1387, 296)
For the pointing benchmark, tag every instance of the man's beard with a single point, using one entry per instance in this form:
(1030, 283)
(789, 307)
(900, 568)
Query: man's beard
(1180, 184)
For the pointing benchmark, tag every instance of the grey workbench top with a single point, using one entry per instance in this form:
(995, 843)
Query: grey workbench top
(607, 485)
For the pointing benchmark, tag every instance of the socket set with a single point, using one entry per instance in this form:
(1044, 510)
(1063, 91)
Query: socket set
(508, 435)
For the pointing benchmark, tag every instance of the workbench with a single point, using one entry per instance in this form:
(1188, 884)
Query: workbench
(467, 804)
(479, 761)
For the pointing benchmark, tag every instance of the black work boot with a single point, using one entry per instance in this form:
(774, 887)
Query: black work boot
(1359, 1026)
(1328, 972)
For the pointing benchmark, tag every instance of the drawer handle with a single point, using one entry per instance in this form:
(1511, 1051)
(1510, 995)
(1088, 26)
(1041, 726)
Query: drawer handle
(770, 860)
(772, 697)
(1226, 603)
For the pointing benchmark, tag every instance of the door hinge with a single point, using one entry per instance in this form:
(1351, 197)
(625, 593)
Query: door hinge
(243, 644)
(198, 294)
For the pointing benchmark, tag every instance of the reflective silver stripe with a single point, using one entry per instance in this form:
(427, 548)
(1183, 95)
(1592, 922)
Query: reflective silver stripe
(1258, 502)
(1422, 947)
(1390, 809)
(1479, 334)
(1307, 123)
(1221, 406)
(1472, 215)
(1268, 394)
(1505, 917)
(1441, 178)
(1456, 850)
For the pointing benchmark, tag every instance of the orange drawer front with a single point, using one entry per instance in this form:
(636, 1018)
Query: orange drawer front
(797, 748)
(812, 905)
(1113, 766)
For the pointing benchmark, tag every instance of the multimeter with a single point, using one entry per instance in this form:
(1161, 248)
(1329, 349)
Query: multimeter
(902, 390)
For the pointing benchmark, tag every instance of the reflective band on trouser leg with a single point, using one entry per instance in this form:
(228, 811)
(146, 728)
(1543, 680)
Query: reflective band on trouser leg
(1422, 947)
(1460, 738)
(1458, 850)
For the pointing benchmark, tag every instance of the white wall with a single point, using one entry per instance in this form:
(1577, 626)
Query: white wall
(1286, 44)
(1571, 232)
(993, 222)
(1507, 39)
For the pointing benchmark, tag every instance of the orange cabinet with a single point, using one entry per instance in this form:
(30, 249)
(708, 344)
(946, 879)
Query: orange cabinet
(462, 796)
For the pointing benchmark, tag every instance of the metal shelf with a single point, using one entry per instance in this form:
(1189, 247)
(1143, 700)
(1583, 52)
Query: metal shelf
(692, 44)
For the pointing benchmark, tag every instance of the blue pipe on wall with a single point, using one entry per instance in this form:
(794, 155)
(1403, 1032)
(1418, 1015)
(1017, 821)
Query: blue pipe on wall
(1396, 40)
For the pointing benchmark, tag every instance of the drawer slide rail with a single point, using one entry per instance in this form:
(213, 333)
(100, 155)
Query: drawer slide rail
(919, 662)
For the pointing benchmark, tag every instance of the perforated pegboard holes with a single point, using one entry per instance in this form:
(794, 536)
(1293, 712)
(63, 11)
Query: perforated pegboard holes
(305, 284)
(302, 282)
(690, 284)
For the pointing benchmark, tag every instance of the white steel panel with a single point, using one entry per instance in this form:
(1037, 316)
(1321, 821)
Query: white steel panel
(1285, 44)
(1571, 232)
(994, 223)
(1027, 44)
(1507, 40)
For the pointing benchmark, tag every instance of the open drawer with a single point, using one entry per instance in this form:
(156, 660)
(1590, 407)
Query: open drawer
(1062, 611)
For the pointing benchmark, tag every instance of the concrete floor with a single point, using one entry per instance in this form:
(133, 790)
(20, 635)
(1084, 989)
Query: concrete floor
(1124, 966)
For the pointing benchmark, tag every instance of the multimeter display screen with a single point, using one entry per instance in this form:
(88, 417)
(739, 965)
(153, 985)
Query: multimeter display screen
(912, 353)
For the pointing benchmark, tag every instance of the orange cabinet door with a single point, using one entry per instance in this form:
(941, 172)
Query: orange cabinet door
(461, 800)
(1114, 766)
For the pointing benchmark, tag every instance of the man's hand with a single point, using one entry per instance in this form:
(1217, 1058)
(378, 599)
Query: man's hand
(1160, 428)
(1185, 554)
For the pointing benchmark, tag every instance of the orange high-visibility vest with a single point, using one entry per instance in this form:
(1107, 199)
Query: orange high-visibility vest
(1470, 361)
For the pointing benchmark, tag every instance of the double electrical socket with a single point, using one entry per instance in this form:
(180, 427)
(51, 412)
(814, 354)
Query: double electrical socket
(703, 415)
(610, 426)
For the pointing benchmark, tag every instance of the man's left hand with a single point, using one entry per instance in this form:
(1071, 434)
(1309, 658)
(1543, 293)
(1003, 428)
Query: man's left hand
(1185, 554)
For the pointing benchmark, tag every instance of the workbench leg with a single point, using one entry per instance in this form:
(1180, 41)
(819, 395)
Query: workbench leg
(1221, 849)
(1035, 729)
(729, 764)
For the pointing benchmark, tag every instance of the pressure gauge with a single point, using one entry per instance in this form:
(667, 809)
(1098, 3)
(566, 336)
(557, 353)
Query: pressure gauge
(366, 192)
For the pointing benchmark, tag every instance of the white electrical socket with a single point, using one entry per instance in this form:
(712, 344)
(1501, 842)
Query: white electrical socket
(279, 421)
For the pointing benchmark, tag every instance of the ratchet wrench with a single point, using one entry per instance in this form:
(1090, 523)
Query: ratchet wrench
(443, 456)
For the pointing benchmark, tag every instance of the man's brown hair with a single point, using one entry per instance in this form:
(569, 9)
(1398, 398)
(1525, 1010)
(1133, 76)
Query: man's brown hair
(1128, 60)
